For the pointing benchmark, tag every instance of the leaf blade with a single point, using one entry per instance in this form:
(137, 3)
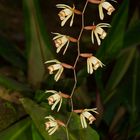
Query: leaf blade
(38, 45)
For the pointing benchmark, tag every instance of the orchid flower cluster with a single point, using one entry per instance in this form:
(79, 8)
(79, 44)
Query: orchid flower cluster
(61, 42)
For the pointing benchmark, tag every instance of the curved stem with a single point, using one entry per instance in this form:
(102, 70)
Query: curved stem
(74, 67)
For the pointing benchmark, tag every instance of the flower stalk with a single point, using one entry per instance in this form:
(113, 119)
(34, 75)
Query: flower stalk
(62, 42)
(77, 58)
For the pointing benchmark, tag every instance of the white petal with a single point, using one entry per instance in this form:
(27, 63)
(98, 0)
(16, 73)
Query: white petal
(53, 123)
(53, 130)
(56, 33)
(101, 14)
(71, 22)
(66, 47)
(63, 6)
(54, 67)
(50, 118)
(99, 30)
(58, 74)
(98, 39)
(103, 25)
(106, 5)
(56, 96)
(92, 36)
(91, 68)
(58, 36)
(86, 114)
(83, 121)
(64, 21)
(88, 68)
(54, 60)
(56, 102)
(52, 91)
(59, 105)
(64, 41)
(94, 110)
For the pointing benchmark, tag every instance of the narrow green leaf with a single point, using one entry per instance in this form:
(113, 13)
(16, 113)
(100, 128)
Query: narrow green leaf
(35, 133)
(132, 36)
(126, 94)
(19, 131)
(38, 113)
(13, 84)
(120, 68)
(38, 45)
(114, 40)
(11, 54)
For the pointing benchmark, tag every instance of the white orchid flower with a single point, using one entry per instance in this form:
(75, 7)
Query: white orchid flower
(103, 4)
(52, 125)
(98, 31)
(92, 62)
(62, 41)
(55, 67)
(107, 6)
(59, 67)
(56, 98)
(66, 13)
(85, 114)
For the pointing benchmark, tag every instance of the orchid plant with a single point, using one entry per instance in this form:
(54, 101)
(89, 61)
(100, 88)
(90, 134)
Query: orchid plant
(83, 83)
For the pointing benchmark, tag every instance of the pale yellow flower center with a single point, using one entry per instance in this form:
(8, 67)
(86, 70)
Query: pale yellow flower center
(64, 13)
(58, 42)
(110, 10)
(53, 68)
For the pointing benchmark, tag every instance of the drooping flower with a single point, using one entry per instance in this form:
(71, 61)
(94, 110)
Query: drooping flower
(103, 4)
(98, 31)
(92, 62)
(62, 41)
(56, 98)
(66, 13)
(52, 125)
(85, 114)
(59, 67)
(107, 6)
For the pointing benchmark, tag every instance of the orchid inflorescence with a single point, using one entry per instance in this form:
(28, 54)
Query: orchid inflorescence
(62, 42)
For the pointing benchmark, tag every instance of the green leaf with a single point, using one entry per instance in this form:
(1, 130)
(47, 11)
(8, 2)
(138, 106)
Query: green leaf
(38, 113)
(114, 40)
(35, 133)
(120, 68)
(126, 94)
(38, 45)
(19, 131)
(11, 54)
(13, 84)
(132, 36)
